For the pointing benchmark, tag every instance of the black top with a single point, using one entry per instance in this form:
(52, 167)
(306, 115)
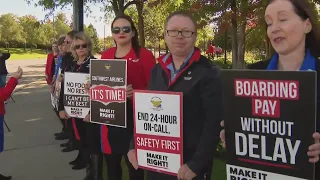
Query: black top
(73, 66)
(84, 67)
(202, 109)
(67, 62)
(53, 65)
(3, 67)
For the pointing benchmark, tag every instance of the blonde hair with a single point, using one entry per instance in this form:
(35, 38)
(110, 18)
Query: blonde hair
(84, 37)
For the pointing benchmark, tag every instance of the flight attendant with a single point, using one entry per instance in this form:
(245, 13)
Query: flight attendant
(115, 141)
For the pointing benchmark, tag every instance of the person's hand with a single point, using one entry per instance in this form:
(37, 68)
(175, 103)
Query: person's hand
(223, 135)
(133, 158)
(129, 91)
(185, 173)
(63, 115)
(54, 79)
(18, 74)
(87, 87)
(52, 87)
(60, 78)
(314, 149)
(87, 118)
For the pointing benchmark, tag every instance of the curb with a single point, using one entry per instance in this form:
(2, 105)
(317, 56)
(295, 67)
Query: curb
(24, 86)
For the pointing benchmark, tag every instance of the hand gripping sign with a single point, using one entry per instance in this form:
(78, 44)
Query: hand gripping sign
(158, 130)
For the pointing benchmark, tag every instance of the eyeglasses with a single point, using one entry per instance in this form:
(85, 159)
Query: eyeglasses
(175, 33)
(78, 46)
(67, 42)
(125, 29)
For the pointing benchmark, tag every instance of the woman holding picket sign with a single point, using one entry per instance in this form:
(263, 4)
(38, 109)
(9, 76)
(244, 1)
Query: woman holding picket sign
(294, 31)
(87, 133)
(65, 63)
(115, 141)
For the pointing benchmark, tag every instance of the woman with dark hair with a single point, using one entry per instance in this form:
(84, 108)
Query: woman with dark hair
(115, 141)
(294, 32)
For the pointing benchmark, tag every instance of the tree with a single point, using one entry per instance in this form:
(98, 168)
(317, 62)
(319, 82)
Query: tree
(28, 31)
(10, 29)
(108, 42)
(204, 35)
(45, 34)
(155, 13)
(31, 30)
(60, 25)
(92, 32)
(239, 16)
(116, 6)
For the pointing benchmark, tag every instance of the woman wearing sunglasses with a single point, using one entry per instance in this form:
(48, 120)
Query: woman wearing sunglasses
(87, 133)
(115, 141)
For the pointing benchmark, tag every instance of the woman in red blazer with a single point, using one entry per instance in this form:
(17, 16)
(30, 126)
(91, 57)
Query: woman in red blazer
(51, 64)
(114, 140)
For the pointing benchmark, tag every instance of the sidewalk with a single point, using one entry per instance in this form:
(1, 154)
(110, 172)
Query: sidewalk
(31, 153)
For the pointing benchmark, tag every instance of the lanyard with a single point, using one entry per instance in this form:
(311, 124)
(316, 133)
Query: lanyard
(80, 66)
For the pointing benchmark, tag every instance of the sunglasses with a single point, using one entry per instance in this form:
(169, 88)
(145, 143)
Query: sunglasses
(117, 30)
(81, 45)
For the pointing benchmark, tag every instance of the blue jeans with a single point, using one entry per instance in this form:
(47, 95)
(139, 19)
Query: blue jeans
(3, 80)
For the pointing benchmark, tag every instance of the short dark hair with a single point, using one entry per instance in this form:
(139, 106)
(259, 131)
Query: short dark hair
(61, 40)
(306, 10)
(180, 13)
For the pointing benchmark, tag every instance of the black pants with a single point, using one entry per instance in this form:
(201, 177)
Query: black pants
(63, 122)
(114, 169)
(83, 147)
(92, 138)
(70, 131)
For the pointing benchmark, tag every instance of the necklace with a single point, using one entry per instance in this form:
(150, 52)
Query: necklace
(79, 63)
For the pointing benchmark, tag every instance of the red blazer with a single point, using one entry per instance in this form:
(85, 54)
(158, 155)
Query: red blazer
(48, 71)
(138, 75)
(5, 93)
(139, 69)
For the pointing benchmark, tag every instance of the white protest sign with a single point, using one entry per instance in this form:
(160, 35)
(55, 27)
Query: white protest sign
(76, 101)
(158, 130)
(56, 92)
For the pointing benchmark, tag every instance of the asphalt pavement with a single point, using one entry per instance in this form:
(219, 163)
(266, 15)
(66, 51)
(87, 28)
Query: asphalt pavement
(31, 152)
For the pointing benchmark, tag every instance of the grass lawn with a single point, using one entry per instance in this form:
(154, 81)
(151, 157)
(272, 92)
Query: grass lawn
(218, 170)
(21, 54)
